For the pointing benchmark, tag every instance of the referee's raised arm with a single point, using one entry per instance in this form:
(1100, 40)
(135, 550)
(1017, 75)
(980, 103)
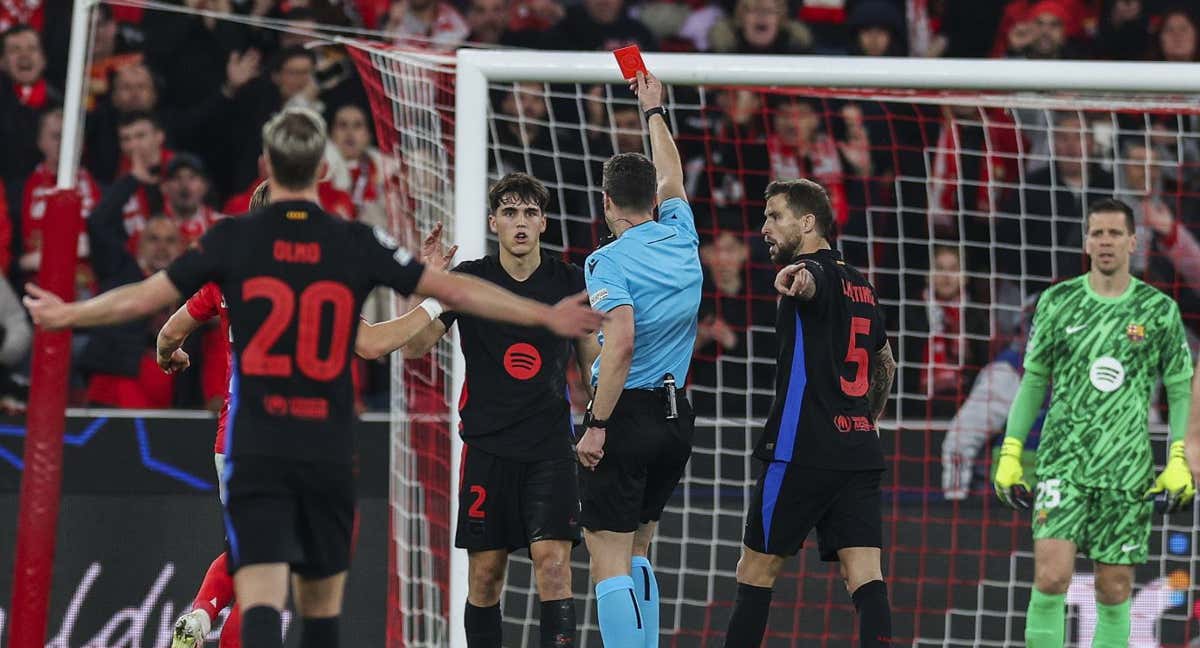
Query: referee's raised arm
(649, 91)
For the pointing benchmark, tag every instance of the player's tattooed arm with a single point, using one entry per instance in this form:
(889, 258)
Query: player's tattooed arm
(881, 380)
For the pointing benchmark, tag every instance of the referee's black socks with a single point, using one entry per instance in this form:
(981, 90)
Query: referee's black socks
(558, 623)
(483, 626)
(319, 632)
(749, 620)
(874, 614)
(261, 627)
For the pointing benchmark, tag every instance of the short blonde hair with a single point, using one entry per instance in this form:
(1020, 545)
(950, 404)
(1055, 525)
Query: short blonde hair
(294, 141)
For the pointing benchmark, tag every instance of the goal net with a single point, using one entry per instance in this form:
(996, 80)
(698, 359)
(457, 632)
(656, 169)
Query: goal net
(961, 206)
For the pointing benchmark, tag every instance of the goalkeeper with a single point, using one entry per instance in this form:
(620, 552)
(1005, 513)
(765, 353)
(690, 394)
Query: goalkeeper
(1103, 340)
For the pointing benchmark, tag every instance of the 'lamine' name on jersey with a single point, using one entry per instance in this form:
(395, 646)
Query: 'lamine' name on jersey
(821, 417)
(1104, 356)
(294, 279)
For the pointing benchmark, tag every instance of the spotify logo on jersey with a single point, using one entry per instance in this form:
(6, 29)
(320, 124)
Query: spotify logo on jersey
(522, 361)
(1107, 374)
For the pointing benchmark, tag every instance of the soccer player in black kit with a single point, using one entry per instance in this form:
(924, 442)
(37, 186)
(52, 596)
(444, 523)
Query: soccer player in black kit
(820, 445)
(519, 486)
(294, 279)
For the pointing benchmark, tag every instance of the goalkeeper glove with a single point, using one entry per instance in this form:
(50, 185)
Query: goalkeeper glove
(1010, 487)
(1174, 489)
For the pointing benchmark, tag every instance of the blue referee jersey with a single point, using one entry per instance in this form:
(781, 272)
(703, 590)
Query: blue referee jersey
(655, 268)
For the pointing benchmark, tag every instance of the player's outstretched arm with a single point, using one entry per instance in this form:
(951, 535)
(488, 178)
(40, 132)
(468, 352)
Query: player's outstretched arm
(881, 380)
(123, 304)
(1191, 438)
(417, 326)
(649, 91)
(171, 358)
(569, 318)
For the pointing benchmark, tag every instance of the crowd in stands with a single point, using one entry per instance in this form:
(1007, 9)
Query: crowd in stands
(175, 102)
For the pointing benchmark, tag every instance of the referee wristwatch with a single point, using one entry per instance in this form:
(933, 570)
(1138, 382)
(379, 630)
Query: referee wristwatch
(590, 421)
(657, 110)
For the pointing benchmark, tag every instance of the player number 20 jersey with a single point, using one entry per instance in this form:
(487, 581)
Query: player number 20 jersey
(1104, 357)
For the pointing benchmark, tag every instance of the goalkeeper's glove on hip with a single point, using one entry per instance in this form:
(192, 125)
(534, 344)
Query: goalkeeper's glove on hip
(1174, 489)
(1009, 485)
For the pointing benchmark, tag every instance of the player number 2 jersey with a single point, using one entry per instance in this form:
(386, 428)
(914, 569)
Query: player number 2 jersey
(294, 279)
(1104, 357)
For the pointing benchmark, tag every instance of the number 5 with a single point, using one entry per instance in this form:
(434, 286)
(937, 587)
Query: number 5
(858, 356)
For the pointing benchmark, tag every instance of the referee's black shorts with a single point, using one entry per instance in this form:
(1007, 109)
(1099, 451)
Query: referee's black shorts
(287, 511)
(788, 501)
(645, 454)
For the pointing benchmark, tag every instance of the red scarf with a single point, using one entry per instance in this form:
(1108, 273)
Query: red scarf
(943, 355)
(364, 180)
(21, 12)
(999, 160)
(32, 96)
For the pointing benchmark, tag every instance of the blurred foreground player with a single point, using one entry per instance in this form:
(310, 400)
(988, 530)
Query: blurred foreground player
(1103, 340)
(288, 469)
(216, 590)
(638, 429)
(520, 488)
(820, 443)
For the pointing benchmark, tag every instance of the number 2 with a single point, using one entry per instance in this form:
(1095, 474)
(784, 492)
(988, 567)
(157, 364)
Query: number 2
(857, 355)
(257, 360)
(476, 509)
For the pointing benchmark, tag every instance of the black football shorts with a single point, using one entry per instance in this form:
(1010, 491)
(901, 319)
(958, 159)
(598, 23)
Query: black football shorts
(288, 511)
(645, 455)
(789, 501)
(508, 504)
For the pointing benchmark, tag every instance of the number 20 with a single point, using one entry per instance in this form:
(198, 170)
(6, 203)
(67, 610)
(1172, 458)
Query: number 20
(258, 360)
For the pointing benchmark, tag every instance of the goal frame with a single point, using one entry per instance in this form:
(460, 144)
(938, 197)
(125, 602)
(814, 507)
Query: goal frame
(475, 69)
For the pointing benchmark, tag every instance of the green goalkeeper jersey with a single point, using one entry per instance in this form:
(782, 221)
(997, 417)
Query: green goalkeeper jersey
(1104, 357)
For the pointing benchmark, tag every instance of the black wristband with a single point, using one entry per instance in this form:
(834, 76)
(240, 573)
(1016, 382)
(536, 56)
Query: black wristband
(657, 110)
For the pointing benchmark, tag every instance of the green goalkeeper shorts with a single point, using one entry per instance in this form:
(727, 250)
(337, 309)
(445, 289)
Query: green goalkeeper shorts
(1108, 526)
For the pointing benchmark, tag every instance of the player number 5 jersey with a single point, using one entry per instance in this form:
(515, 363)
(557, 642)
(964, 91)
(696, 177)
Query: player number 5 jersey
(1104, 357)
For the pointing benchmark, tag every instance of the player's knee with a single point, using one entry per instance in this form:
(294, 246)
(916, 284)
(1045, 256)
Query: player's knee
(553, 577)
(486, 582)
(759, 570)
(1049, 579)
(1113, 588)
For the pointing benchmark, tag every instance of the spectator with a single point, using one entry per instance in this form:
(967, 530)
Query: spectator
(1042, 32)
(142, 144)
(494, 22)
(975, 155)
(1177, 40)
(760, 27)
(427, 22)
(877, 29)
(983, 414)
(184, 187)
(15, 337)
(356, 167)
(1124, 30)
(292, 81)
(1168, 254)
(599, 25)
(24, 93)
(948, 330)
(106, 55)
(40, 185)
(120, 360)
(189, 52)
(1040, 234)
(133, 90)
(725, 342)
(971, 27)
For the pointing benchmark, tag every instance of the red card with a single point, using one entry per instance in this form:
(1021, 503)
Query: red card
(630, 60)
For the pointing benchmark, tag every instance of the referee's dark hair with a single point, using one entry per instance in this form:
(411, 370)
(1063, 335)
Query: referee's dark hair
(630, 181)
(522, 185)
(1110, 205)
(804, 196)
(294, 141)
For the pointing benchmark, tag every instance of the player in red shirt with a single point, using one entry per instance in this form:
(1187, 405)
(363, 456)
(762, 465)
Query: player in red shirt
(374, 340)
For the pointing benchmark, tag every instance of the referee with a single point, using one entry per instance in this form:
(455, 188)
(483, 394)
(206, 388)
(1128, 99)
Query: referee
(638, 433)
